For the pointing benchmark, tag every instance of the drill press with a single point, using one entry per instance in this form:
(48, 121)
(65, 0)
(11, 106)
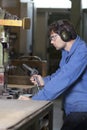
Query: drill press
(7, 20)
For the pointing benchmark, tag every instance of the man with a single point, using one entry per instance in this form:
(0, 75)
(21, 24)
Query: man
(70, 78)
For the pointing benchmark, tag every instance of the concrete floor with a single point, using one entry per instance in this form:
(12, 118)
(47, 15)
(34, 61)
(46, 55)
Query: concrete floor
(57, 115)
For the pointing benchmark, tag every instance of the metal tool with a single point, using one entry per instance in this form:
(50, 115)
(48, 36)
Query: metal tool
(31, 72)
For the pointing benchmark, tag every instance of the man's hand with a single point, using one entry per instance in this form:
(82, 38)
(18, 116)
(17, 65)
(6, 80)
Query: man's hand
(37, 80)
(24, 98)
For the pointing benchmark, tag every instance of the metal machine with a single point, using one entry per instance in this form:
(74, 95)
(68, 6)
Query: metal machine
(6, 21)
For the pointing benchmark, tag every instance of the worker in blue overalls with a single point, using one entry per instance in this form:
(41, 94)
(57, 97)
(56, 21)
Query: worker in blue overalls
(70, 79)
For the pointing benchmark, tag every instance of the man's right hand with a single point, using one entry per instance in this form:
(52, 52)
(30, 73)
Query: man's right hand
(37, 80)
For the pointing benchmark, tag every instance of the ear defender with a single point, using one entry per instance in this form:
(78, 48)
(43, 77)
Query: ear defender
(65, 35)
(63, 32)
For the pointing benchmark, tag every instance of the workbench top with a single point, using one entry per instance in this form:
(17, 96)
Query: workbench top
(15, 112)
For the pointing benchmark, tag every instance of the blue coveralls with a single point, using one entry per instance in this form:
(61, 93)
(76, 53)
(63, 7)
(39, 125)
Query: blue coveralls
(70, 79)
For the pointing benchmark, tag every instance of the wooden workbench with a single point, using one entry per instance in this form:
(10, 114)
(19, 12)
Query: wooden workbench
(26, 115)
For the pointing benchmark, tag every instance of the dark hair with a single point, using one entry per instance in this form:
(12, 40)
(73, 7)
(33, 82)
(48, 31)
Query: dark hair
(63, 25)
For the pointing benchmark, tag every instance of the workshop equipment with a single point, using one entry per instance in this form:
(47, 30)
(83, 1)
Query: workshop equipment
(6, 21)
(25, 23)
(20, 78)
(31, 72)
(26, 115)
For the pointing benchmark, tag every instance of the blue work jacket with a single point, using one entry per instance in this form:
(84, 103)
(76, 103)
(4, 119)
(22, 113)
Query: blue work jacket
(69, 79)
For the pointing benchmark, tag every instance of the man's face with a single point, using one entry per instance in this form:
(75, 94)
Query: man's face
(56, 41)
